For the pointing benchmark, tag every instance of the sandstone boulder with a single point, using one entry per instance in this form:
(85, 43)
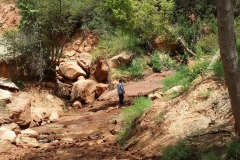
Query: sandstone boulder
(27, 141)
(20, 111)
(123, 58)
(175, 89)
(7, 84)
(5, 96)
(6, 134)
(84, 90)
(100, 88)
(71, 70)
(54, 117)
(85, 61)
(101, 70)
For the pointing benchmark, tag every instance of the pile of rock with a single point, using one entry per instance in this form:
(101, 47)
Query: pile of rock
(80, 78)
(16, 113)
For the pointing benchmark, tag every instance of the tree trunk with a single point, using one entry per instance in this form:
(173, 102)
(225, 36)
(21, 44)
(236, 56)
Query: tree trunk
(229, 55)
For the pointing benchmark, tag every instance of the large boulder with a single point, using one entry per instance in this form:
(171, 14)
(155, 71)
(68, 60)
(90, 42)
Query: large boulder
(101, 70)
(100, 88)
(84, 90)
(85, 61)
(123, 58)
(20, 111)
(71, 70)
(7, 84)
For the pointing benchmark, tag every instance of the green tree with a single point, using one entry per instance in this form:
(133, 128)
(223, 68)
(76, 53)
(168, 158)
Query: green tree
(44, 29)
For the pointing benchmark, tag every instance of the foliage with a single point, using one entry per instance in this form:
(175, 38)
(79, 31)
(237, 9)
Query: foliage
(218, 69)
(233, 150)
(168, 62)
(140, 105)
(184, 76)
(20, 84)
(238, 47)
(181, 151)
(135, 69)
(179, 78)
(209, 156)
(159, 118)
(207, 45)
(190, 17)
(156, 62)
(111, 44)
(198, 68)
(44, 29)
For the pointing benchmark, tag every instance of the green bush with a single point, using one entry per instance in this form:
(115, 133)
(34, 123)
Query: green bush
(140, 105)
(119, 41)
(198, 68)
(156, 62)
(218, 69)
(135, 69)
(181, 151)
(184, 76)
(207, 45)
(20, 84)
(179, 78)
(238, 47)
(209, 156)
(233, 150)
(168, 62)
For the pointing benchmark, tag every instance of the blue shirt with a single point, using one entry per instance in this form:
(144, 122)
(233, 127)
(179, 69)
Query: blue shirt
(120, 88)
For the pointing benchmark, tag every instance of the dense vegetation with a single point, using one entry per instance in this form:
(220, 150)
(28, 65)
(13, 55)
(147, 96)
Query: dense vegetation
(132, 25)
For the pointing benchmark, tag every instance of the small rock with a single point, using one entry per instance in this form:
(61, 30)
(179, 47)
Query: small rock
(77, 105)
(54, 117)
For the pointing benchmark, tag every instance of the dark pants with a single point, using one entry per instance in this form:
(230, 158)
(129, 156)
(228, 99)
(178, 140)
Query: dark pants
(121, 97)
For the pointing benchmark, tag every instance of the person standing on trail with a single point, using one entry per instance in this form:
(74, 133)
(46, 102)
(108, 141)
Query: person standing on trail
(121, 92)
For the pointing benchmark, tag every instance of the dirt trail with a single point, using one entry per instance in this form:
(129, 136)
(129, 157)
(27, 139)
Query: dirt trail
(87, 133)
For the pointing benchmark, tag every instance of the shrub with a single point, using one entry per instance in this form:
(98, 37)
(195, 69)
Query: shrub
(140, 105)
(159, 118)
(210, 156)
(156, 62)
(135, 69)
(218, 69)
(181, 151)
(184, 76)
(200, 67)
(110, 44)
(207, 45)
(179, 78)
(233, 150)
(20, 84)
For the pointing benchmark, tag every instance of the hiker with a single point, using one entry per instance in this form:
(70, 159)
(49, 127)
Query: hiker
(121, 92)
